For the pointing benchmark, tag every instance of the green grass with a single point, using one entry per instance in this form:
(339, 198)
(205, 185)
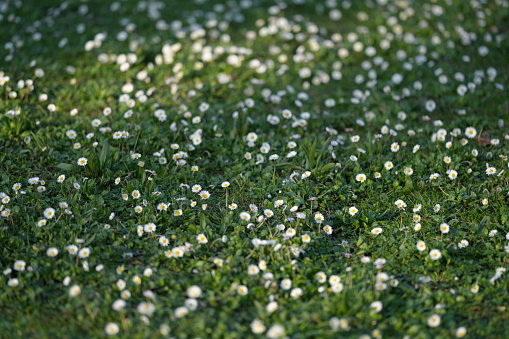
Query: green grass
(246, 83)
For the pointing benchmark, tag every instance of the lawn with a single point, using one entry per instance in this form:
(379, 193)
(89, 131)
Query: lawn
(254, 168)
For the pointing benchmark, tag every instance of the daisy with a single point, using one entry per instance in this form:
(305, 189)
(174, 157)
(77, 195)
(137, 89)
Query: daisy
(296, 293)
(194, 292)
(257, 327)
(72, 249)
(181, 312)
(146, 308)
(163, 241)
(319, 218)
(33, 181)
(470, 132)
(321, 277)
(296, 251)
(452, 174)
(388, 165)
(334, 279)
(52, 252)
(425, 279)
(245, 216)
(290, 232)
(136, 278)
(461, 90)
(444, 228)
(71, 134)
(491, 170)
(435, 254)
(376, 305)
(377, 230)
(276, 331)
(430, 105)
(162, 207)
(149, 228)
(118, 305)
(5, 198)
(13, 282)
(400, 204)
(337, 288)
(434, 320)
(360, 177)
(421, 245)
(278, 203)
(203, 107)
(49, 213)
(84, 252)
(461, 332)
(394, 147)
(253, 270)
(74, 290)
(474, 289)
(6, 213)
(242, 290)
(201, 238)
(463, 243)
(286, 284)
(82, 161)
(19, 265)
(291, 144)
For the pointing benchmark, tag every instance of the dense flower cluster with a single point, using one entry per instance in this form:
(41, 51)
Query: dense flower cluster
(250, 164)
